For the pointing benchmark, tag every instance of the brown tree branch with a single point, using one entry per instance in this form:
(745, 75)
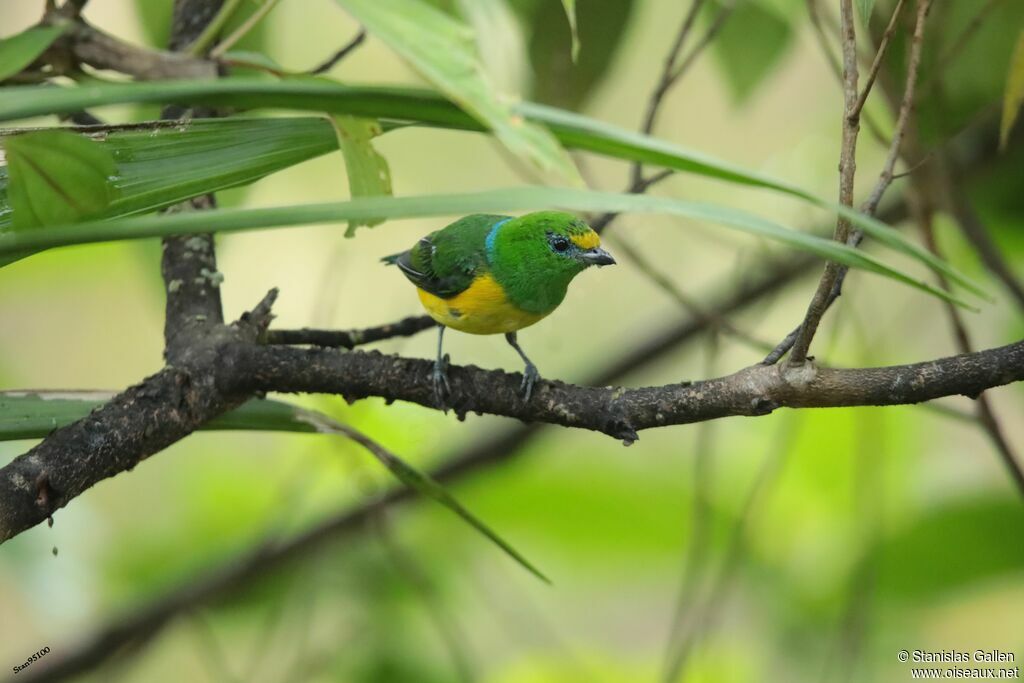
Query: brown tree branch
(615, 411)
(89, 45)
(189, 263)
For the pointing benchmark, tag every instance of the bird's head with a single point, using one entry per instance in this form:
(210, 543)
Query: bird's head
(553, 243)
(536, 256)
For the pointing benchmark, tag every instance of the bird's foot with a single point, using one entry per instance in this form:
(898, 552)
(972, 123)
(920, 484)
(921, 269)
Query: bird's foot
(439, 378)
(530, 377)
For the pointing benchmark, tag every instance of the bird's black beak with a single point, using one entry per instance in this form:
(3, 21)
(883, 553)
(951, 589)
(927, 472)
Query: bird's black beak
(597, 257)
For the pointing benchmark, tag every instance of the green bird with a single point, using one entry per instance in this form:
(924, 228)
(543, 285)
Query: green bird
(487, 274)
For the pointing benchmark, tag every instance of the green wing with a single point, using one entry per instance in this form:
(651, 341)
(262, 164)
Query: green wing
(445, 262)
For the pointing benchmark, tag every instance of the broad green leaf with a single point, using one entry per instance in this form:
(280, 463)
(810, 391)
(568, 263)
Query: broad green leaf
(513, 199)
(56, 177)
(20, 50)
(413, 105)
(368, 172)
(161, 163)
(442, 49)
(570, 14)
(559, 78)
(749, 46)
(1013, 99)
(34, 414)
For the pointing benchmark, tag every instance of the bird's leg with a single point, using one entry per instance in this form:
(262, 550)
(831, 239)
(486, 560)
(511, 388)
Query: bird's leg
(439, 376)
(530, 374)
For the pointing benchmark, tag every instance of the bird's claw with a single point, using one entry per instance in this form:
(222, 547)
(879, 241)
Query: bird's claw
(530, 377)
(439, 378)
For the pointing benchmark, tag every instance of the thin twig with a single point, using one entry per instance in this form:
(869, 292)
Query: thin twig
(903, 118)
(879, 55)
(666, 80)
(246, 26)
(329, 63)
(672, 72)
(837, 69)
(349, 339)
(831, 284)
(847, 170)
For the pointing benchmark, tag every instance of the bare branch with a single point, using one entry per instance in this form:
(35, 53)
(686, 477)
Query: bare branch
(903, 117)
(347, 49)
(348, 339)
(847, 170)
(836, 67)
(831, 284)
(249, 24)
(666, 80)
(879, 55)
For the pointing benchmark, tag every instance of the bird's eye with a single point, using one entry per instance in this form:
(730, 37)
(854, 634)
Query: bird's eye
(560, 244)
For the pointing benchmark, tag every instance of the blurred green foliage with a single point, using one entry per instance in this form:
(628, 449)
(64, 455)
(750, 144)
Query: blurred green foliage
(872, 530)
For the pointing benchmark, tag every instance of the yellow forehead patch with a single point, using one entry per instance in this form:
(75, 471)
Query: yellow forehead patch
(587, 240)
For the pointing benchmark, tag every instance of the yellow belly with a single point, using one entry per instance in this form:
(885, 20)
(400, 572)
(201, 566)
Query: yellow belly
(482, 308)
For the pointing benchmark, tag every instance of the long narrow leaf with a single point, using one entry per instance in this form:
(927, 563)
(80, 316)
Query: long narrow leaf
(424, 107)
(512, 199)
(34, 414)
(1013, 97)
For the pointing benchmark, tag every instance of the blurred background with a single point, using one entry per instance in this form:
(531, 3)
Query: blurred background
(804, 545)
